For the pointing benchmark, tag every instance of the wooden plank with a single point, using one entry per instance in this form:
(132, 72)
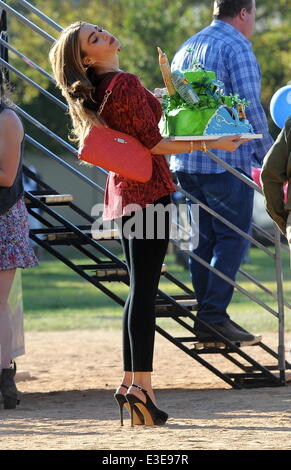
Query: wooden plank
(105, 234)
(51, 198)
(219, 344)
(118, 271)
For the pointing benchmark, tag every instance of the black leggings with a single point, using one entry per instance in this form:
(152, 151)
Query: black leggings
(144, 258)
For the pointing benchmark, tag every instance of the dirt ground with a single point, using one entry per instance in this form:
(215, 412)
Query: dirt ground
(67, 400)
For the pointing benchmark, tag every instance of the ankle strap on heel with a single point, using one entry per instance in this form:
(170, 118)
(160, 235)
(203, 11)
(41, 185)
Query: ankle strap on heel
(140, 388)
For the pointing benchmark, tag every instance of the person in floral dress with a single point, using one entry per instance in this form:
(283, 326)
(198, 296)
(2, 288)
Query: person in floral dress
(15, 249)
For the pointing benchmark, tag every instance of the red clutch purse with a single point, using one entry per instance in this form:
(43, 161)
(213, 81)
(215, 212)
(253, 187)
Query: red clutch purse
(116, 151)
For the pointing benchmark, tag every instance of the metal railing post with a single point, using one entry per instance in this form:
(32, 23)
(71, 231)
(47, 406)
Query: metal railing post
(25, 59)
(280, 297)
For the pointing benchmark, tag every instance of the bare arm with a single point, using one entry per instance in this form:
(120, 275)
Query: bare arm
(11, 135)
(167, 146)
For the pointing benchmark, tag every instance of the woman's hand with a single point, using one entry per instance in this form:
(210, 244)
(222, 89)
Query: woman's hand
(229, 143)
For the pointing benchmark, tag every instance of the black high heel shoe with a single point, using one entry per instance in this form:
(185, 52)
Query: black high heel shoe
(152, 415)
(122, 401)
(8, 389)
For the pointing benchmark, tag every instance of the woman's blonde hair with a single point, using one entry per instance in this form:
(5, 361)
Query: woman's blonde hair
(71, 77)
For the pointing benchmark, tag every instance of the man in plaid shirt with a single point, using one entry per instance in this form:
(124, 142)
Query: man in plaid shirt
(223, 47)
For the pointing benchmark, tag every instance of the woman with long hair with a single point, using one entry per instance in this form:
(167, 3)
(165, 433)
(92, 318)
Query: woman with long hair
(15, 250)
(85, 59)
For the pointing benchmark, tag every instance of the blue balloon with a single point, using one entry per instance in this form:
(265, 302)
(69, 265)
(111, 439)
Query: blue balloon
(280, 106)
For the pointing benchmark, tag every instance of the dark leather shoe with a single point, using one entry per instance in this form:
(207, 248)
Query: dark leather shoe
(229, 331)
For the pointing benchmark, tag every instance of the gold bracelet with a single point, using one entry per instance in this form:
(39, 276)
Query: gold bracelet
(203, 146)
(191, 146)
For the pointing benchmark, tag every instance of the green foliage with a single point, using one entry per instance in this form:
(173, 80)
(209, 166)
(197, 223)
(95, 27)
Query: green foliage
(273, 48)
(235, 100)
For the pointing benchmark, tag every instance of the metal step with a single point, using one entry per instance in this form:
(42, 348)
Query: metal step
(50, 199)
(212, 345)
(177, 297)
(105, 234)
(61, 238)
(254, 380)
(111, 272)
(165, 309)
(253, 369)
(61, 235)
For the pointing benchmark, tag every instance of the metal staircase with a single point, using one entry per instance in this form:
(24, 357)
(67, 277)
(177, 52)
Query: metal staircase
(103, 266)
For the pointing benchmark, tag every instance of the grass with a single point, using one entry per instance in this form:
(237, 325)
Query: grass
(55, 298)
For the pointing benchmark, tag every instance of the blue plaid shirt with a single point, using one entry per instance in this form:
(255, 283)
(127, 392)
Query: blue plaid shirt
(222, 49)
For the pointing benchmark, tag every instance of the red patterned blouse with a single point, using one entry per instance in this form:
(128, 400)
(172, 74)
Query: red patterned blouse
(132, 109)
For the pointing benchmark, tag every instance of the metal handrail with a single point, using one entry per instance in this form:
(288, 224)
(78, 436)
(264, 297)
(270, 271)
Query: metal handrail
(63, 163)
(28, 23)
(225, 221)
(28, 172)
(27, 60)
(227, 279)
(41, 15)
(235, 172)
(51, 134)
(44, 92)
(266, 234)
(244, 235)
(47, 131)
(261, 286)
(250, 183)
(247, 181)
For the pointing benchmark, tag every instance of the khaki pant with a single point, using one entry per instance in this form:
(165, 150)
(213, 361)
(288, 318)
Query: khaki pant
(288, 230)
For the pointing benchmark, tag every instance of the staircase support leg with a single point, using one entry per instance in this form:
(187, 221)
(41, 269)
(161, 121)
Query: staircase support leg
(280, 296)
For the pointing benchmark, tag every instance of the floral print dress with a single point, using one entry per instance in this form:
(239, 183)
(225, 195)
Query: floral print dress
(15, 248)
